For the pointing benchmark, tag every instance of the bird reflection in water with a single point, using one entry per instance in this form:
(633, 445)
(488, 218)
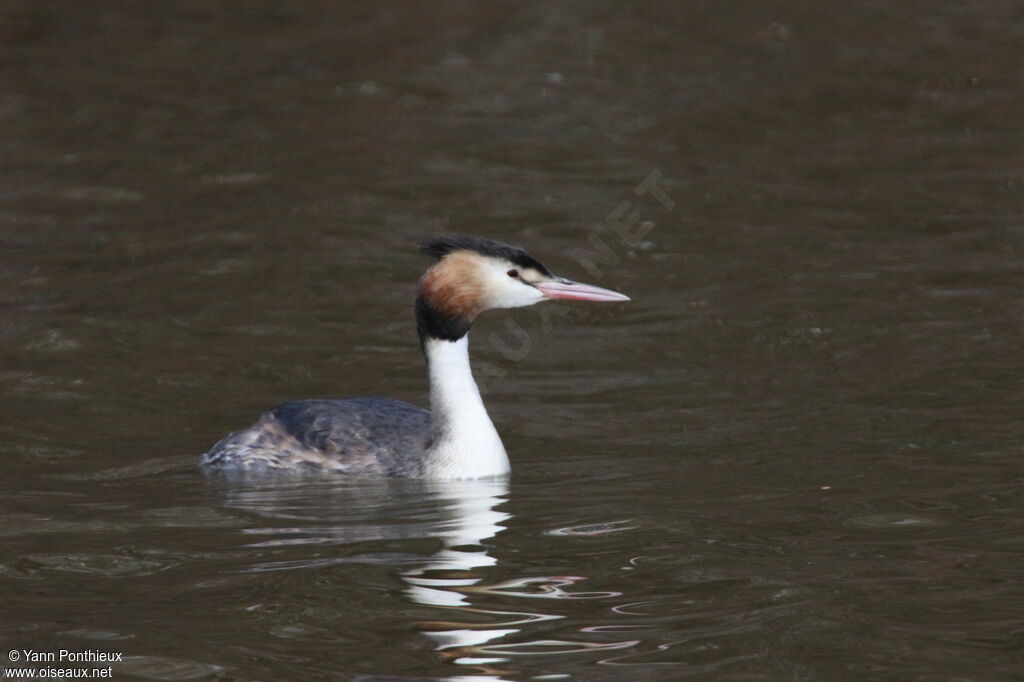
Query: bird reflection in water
(454, 573)
(463, 515)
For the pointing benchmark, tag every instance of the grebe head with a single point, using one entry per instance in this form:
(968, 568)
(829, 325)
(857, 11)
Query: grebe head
(474, 274)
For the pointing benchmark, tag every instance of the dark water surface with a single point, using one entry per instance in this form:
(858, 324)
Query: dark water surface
(796, 455)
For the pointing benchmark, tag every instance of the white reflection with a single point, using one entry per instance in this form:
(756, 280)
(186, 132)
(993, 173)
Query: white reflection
(449, 577)
(295, 522)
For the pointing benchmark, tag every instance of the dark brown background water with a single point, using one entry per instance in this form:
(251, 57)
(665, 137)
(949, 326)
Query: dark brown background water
(796, 455)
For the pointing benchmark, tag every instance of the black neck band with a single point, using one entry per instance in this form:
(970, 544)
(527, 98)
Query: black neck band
(431, 323)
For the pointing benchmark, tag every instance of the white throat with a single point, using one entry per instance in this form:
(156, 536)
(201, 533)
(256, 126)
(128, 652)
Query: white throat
(465, 444)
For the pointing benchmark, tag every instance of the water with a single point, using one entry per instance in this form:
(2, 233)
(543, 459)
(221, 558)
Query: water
(794, 455)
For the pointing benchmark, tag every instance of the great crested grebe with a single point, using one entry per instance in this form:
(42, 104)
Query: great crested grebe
(384, 437)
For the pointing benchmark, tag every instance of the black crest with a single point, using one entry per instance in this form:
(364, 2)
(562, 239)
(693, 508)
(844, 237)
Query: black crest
(439, 247)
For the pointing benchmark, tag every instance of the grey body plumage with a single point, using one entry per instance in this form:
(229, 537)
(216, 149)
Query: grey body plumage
(355, 436)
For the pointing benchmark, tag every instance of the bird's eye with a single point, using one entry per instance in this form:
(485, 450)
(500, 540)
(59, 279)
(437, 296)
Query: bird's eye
(513, 273)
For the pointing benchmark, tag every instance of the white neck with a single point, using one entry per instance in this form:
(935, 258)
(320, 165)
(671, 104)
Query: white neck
(465, 445)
